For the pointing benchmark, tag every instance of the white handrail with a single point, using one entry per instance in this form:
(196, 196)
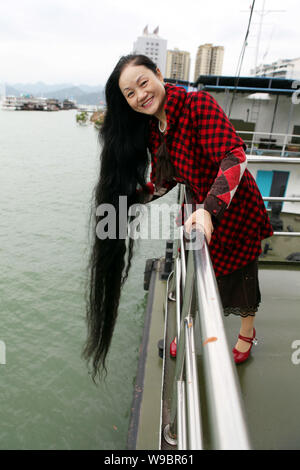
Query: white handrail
(266, 159)
(226, 413)
(227, 416)
(257, 136)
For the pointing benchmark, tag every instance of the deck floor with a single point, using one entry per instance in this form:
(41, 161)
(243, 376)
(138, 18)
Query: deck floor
(269, 380)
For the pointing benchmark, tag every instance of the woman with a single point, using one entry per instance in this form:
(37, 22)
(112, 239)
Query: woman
(191, 141)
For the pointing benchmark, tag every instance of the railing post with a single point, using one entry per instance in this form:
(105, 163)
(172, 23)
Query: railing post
(284, 145)
(181, 345)
(252, 143)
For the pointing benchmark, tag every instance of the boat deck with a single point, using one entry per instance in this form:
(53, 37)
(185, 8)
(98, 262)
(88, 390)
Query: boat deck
(269, 380)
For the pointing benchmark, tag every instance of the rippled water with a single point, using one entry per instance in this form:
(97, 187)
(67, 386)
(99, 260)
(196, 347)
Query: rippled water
(48, 169)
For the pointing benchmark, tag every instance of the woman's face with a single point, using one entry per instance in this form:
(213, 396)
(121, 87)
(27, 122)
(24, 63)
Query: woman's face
(143, 89)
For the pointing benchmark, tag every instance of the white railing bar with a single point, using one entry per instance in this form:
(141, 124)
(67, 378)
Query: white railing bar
(179, 368)
(224, 398)
(284, 145)
(287, 234)
(178, 296)
(181, 416)
(195, 375)
(171, 276)
(225, 403)
(181, 357)
(257, 140)
(273, 159)
(282, 199)
(240, 131)
(182, 257)
(195, 435)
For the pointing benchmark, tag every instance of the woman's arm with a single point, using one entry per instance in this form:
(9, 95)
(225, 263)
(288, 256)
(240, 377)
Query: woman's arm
(219, 142)
(230, 172)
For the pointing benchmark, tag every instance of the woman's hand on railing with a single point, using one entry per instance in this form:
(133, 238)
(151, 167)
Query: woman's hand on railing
(200, 219)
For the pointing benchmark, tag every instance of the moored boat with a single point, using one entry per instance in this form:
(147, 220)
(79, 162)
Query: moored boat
(10, 103)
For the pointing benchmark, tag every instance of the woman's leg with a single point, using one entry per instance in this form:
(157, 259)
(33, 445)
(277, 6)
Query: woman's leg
(246, 330)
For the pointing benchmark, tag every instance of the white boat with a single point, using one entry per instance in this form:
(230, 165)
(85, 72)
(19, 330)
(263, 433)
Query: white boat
(9, 103)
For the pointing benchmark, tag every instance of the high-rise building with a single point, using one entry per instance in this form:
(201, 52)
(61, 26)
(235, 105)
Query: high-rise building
(217, 57)
(203, 58)
(178, 65)
(153, 46)
(209, 60)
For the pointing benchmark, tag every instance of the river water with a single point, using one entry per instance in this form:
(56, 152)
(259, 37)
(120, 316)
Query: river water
(49, 166)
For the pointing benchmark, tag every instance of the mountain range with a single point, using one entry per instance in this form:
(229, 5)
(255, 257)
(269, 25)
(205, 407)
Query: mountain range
(82, 94)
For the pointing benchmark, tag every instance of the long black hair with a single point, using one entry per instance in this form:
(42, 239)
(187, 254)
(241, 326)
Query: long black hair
(123, 167)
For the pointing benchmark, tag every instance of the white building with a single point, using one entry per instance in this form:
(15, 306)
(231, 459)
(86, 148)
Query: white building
(153, 46)
(282, 68)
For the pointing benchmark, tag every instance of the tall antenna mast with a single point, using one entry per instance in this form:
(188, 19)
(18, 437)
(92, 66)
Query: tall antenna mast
(262, 13)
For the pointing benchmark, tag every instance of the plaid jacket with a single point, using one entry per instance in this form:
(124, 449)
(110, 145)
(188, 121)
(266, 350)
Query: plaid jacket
(209, 157)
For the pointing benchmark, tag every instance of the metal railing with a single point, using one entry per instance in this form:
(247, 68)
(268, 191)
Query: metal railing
(197, 293)
(281, 160)
(259, 142)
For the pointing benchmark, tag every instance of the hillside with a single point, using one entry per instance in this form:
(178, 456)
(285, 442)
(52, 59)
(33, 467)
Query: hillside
(82, 94)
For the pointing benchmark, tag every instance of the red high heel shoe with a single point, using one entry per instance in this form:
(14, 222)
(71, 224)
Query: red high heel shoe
(173, 348)
(239, 356)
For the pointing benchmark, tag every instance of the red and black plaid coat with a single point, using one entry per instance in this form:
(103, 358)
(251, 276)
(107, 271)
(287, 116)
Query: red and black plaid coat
(207, 155)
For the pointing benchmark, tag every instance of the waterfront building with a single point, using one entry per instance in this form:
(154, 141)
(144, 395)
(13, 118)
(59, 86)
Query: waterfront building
(31, 103)
(178, 65)
(153, 46)
(282, 68)
(69, 104)
(209, 60)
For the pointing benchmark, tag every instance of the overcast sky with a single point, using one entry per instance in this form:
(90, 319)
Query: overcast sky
(80, 41)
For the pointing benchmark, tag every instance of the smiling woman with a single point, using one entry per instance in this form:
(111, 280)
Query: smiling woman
(191, 141)
(144, 90)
